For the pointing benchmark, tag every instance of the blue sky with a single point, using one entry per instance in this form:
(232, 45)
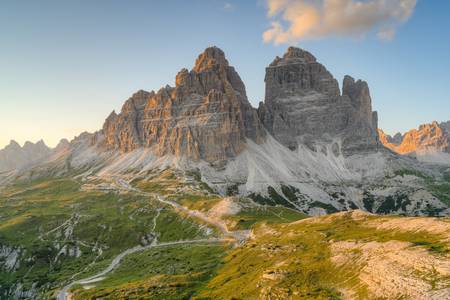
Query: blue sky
(64, 66)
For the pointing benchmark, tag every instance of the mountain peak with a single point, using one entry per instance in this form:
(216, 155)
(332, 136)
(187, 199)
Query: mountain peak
(212, 56)
(303, 102)
(428, 138)
(28, 144)
(13, 143)
(205, 116)
(41, 143)
(294, 55)
(295, 52)
(63, 144)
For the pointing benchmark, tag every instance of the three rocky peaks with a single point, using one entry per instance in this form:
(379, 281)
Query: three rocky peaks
(207, 115)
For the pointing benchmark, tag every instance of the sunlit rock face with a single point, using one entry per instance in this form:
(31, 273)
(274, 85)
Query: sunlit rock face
(205, 116)
(303, 104)
(427, 138)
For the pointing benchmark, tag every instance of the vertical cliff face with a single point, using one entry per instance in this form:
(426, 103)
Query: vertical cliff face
(303, 104)
(205, 116)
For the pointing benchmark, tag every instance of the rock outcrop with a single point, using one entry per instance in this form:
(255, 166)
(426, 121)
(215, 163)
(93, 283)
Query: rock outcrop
(14, 157)
(445, 126)
(303, 104)
(385, 138)
(428, 138)
(205, 116)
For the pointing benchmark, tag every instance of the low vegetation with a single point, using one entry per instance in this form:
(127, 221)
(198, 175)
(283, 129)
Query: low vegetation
(63, 231)
(296, 260)
(174, 272)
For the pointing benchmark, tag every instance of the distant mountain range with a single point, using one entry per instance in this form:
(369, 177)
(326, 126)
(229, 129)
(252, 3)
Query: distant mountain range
(429, 143)
(14, 157)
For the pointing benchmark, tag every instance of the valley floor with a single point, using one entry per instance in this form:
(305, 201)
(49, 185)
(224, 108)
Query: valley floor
(167, 236)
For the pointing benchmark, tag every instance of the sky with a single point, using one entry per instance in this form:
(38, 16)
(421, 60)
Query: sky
(65, 65)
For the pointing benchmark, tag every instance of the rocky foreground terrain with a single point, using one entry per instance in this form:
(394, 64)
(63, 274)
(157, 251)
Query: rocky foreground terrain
(191, 193)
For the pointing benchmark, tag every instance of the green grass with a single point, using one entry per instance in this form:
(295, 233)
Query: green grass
(164, 183)
(416, 173)
(293, 261)
(346, 228)
(174, 272)
(198, 201)
(294, 256)
(198, 178)
(439, 188)
(109, 220)
(441, 191)
(274, 198)
(302, 266)
(248, 217)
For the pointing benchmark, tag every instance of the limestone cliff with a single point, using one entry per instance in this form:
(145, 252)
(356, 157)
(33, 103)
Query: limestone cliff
(205, 116)
(303, 104)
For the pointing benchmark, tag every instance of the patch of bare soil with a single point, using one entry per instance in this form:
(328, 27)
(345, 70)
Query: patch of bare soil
(429, 225)
(393, 270)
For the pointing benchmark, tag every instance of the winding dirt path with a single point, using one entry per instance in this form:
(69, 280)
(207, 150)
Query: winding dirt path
(236, 237)
(64, 292)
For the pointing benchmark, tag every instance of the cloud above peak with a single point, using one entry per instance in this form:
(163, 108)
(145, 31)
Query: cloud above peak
(295, 20)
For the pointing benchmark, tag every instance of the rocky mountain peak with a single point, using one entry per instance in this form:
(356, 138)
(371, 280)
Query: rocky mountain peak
(13, 156)
(210, 58)
(294, 55)
(350, 87)
(432, 127)
(397, 138)
(428, 138)
(205, 116)
(13, 145)
(41, 143)
(303, 104)
(62, 145)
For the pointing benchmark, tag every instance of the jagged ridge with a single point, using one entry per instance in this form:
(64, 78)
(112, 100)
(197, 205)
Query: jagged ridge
(205, 116)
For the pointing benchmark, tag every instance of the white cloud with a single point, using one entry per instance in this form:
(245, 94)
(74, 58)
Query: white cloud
(294, 20)
(386, 34)
(228, 6)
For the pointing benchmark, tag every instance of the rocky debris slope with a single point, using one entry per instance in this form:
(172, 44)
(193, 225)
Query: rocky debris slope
(13, 156)
(426, 141)
(205, 116)
(303, 105)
